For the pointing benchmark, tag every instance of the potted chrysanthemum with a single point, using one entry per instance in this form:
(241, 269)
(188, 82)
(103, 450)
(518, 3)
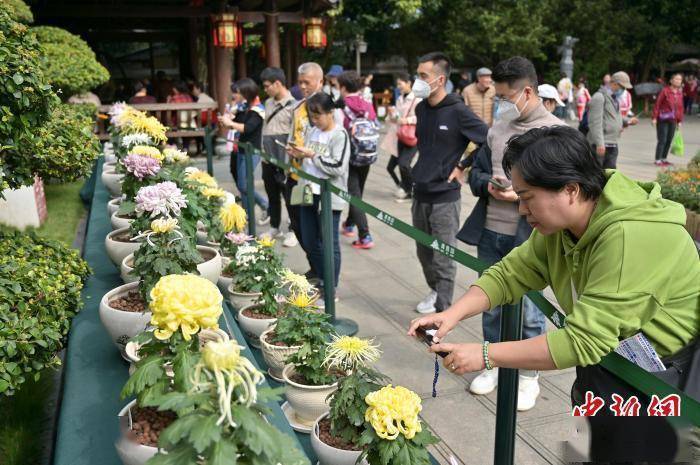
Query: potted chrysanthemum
(220, 414)
(300, 323)
(335, 437)
(256, 286)
(393, 433)
(185, 306)
(229, 246)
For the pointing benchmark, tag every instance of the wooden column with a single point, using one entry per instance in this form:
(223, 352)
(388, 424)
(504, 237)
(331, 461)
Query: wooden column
(211, 63)
(272, 35)
(224, 70)
(241, 68)
(288, 66)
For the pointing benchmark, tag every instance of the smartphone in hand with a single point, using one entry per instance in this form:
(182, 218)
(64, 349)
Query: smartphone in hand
(498, 184)
(426, 335)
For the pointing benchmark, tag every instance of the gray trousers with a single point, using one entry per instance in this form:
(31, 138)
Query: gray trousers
(440, 220)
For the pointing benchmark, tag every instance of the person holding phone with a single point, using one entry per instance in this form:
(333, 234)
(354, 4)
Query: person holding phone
(325, 155)
(495, 226)
(596, 245)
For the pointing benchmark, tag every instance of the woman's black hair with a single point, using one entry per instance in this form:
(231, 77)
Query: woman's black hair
(247, 88)
(351, 81)
(552, 157)
(320, 103)
(405, 77)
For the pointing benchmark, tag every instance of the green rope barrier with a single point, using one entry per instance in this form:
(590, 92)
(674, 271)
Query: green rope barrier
(633, 375)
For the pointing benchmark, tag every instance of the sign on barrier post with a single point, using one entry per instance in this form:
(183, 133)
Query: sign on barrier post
(613, 362)
(507, 396)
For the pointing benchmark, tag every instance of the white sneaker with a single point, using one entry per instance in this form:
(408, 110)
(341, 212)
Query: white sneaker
(264, 218)
(485, 383)
(275, 232)
(528, 390)
(400, 193)
(427, 305)
(290, 240)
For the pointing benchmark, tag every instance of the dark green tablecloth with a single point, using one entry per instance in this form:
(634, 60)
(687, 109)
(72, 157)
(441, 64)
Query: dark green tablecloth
(94, 371)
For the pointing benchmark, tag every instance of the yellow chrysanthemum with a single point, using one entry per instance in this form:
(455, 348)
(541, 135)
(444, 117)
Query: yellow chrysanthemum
(163, 225)
(132, 122)
(233, 217)
(347, 353)
(148, 151)
(302, 300)
(266, 241)
(215, 192)
(392, 411)
(202, 177)
(185, 302)
(222, 367)
(297, 282)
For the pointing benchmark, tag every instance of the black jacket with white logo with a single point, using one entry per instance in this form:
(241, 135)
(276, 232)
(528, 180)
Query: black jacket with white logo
(443, 133)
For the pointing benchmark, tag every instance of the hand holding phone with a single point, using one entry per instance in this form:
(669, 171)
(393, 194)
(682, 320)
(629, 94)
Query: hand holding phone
(427, 337)
(499, 184)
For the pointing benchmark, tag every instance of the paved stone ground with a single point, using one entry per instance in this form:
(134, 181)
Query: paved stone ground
(379, 289)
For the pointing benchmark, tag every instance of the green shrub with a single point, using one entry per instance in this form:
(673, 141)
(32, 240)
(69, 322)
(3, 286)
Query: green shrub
(25, 100)
(68, 62)
(66, 146)
(18, 11)
(40, 284)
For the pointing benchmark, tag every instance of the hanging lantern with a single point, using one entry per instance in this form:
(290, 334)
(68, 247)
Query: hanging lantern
(226, 31)
(314, 33)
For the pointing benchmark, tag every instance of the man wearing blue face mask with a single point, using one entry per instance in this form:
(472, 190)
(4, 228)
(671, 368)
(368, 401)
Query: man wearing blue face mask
(444, 129)
(495, 227)
(604, 120)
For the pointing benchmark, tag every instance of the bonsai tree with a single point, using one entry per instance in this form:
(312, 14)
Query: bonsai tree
(25, 101)
(68, 62)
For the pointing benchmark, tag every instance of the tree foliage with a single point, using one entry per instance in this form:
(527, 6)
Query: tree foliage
(18, 11)
(68, 62)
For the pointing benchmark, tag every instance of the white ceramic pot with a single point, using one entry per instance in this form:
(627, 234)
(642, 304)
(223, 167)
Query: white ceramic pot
(239, 300)
(110, 156)
(210, 269)
(129, 450)
(118, 222)
(275, 356)
(329, 455)
(224, 281)
(113, 206)
(109, 165)
(253, 327)
(308, 402)
(117, 250)
(121, 325)
(113, 182)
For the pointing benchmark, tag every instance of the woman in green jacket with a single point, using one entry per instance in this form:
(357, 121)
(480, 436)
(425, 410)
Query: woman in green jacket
(615, 253)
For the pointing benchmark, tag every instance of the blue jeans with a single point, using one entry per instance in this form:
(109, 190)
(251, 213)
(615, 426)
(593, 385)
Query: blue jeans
(242, 180)
(491, 249)
(311, 238)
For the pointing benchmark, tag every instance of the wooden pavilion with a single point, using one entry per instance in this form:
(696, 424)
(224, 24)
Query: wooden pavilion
(206, 37)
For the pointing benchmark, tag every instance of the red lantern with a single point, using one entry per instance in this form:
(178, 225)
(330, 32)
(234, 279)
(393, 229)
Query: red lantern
(226, 31)
(314, 33)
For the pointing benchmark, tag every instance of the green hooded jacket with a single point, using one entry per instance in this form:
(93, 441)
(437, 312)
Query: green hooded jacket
(635, 267)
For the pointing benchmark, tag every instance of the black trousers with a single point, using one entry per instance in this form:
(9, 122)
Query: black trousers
(274, 180)
(609, 160)
(357, 176)
(665, 131)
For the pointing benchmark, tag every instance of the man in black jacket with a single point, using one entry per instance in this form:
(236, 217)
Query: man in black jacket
(444, 128)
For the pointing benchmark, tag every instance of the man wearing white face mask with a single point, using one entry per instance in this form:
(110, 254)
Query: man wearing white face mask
(495, 226)
(444, 128)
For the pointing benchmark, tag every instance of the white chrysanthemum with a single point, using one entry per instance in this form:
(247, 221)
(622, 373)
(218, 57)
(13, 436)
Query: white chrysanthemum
(131, 140)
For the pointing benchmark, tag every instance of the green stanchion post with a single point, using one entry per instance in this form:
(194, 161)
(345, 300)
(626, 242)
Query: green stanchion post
(342, 326)
(250, 190)
(507, 399)
(209, 147)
